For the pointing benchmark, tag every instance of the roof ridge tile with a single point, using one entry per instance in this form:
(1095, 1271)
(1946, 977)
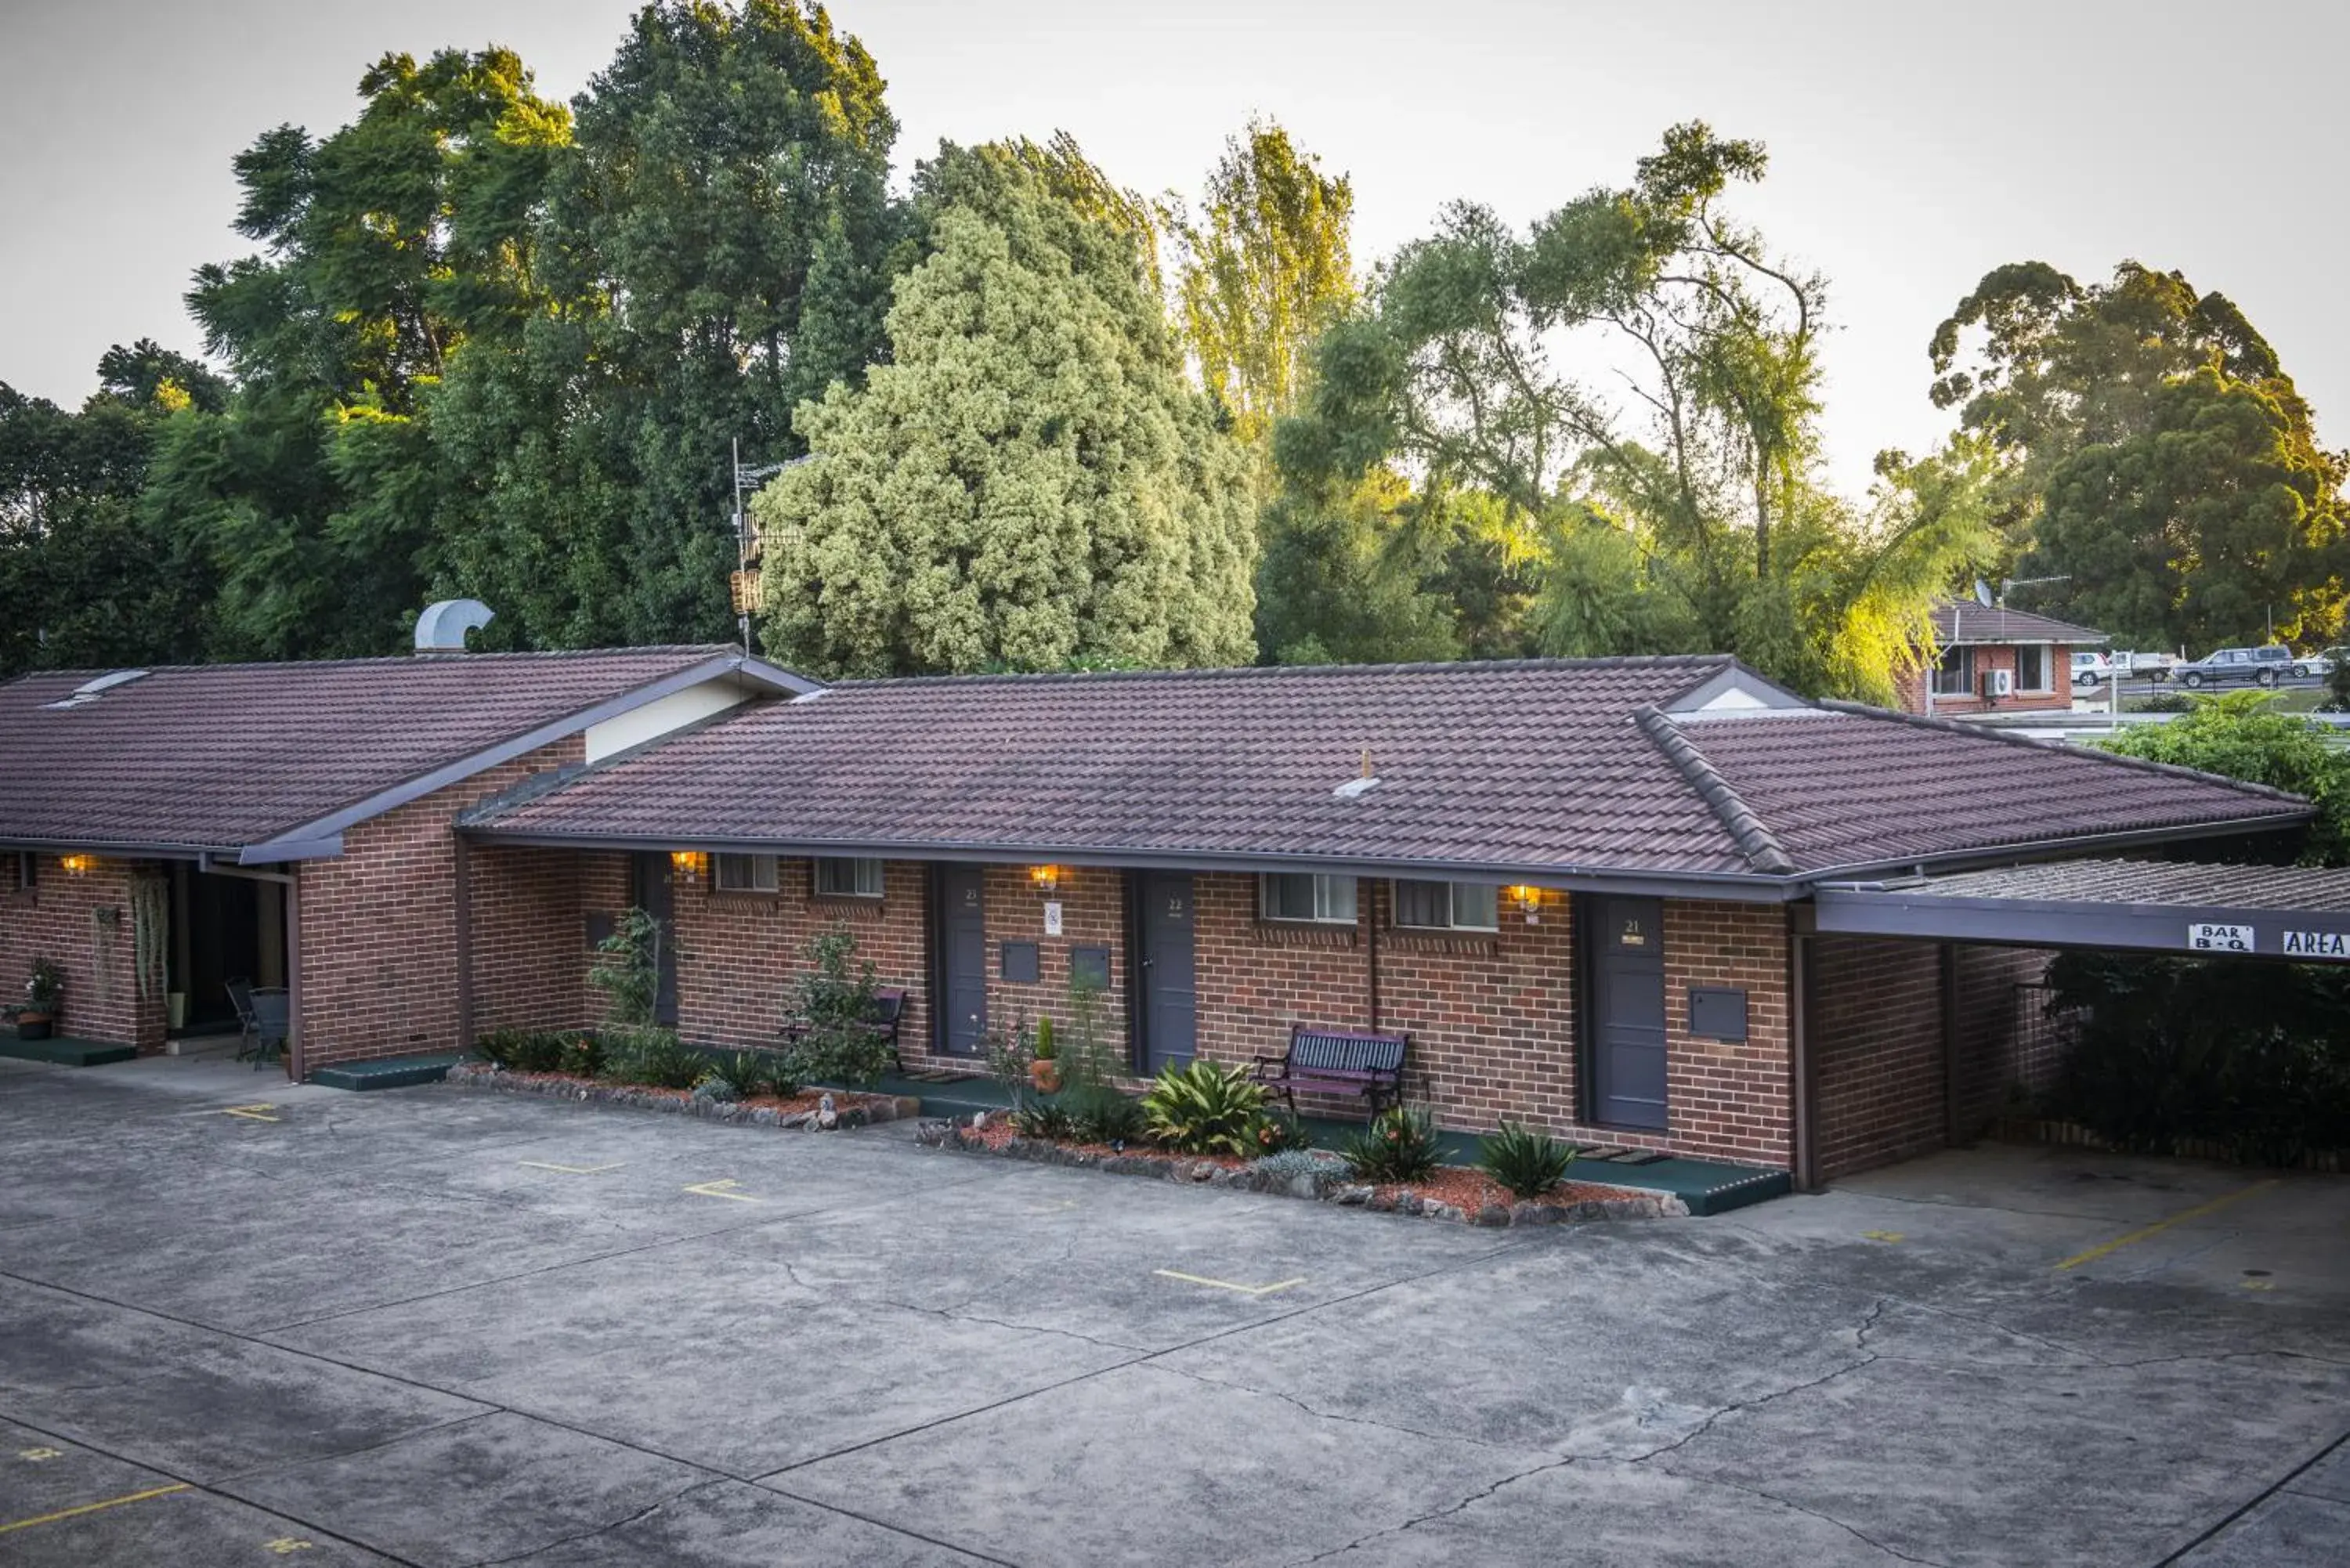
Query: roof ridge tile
(1747, 830)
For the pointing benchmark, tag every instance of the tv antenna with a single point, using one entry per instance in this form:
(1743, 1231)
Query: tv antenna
(746, 588)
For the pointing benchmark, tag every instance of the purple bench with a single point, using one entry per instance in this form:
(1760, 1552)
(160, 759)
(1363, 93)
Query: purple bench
(1336, 1062)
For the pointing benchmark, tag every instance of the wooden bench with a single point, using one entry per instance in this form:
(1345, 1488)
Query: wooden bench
(1336, 1062)
(889, 1007)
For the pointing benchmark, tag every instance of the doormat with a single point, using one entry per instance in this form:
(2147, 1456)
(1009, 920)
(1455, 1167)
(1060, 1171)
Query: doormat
(938, 1075)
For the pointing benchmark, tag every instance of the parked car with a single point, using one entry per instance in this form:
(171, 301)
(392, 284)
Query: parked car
(2091, 669)
(2320, 664)
(2149, 665)
(2258, 666)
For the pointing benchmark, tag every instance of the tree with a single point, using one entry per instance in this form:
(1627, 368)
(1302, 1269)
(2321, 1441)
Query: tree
(1704, 467)
(1028, 483)
(2242, 735)
(2155, 457)
(1345, 577)
(1264, 272)
(717, 249)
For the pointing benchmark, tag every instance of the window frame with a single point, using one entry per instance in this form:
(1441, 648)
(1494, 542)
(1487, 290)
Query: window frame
(2047, 659)
(1957, 660)
(1324, 886)
(771, 883)
(1452, 921)
(857, 890)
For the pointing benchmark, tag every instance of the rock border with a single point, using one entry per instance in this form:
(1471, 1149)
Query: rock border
(856, 1109)
(1635, 1203)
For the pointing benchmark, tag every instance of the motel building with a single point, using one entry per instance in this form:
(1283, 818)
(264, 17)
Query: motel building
(1656, 903)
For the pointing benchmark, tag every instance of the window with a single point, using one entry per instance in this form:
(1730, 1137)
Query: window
(2032, 667)
(848, 878)
(1954, 673)
(1302, 896)
(1448, 905)
(746, 874)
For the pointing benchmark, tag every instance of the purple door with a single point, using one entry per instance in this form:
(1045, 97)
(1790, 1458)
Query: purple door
(1625, 943)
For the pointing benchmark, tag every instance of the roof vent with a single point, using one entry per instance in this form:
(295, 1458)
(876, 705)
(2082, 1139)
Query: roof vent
(443, 627)
(1355, 789)
(89, 691)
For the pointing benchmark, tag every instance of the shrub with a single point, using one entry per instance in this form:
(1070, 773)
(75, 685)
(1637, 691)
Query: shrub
(748, 1072)
(540, 1051)
(1399, 1145)
(1204, 1108)
(498, 1046)
(1045, 1049)
(628, 969)
(1008, 1052)
(715, 1089)
(1086, 1060)
(1099, 1114)
(656, 1058)
(2243, 736)
(585, 1056)
(834, 1007)
(1523, 1161)
(1276, 1131)
(1043, 1118)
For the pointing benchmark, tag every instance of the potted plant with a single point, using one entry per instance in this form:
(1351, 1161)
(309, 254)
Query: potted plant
(44, 993)
(1045, 1063)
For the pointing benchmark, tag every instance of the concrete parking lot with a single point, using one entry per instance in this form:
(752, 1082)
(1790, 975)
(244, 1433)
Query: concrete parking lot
(249, 1324)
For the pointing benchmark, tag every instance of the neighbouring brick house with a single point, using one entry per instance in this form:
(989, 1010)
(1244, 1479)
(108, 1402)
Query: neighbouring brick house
(289, 826)
(1584, 888)
(1996, 660)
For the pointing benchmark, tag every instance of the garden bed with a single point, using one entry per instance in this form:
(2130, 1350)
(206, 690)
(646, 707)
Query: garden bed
(797, 1110)
(1453, 1192)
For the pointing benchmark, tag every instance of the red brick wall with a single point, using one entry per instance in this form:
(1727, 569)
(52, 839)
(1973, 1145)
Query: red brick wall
(1727, 1100)
(738, 954)
(378, 966)
(1877, 1047)
(59, 918)
(529, 938)
(1093, 915)
(2005, 1041)
(1911, 686)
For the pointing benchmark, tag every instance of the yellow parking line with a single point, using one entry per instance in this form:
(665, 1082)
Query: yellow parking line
(724, 1188)
(259, 1113)
(94, 1507)
(572, 1170)
(1227, 1285)
(2143, 1232)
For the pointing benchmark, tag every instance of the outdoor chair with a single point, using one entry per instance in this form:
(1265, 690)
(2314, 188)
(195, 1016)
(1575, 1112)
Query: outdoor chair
(240, 997)
(271, 1014)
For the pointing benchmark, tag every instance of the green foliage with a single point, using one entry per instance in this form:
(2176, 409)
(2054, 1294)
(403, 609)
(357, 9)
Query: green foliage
(1683, 514)
(1045, 1050)
(652, 1056)
(1007, 1049)
(44, 988)
(1028, 483)
(2243, 736)
(585, 1056)
(754, 1073)
(1523, 1161)
(2155, 455)
(1204, 1108)
(628, 969)
(2166, 1048)
(1277, 1130)
(1088, 1064)
(1099, 1114)
(1044, 1118)
(1400, 1144)
(2337, 687)
(833, 1010)
(1264, 271)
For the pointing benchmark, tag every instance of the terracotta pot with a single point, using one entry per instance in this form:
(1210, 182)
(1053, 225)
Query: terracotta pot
(1046, 1075)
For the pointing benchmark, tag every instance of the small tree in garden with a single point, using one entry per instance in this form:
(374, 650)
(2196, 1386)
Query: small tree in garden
(627, 970)
(833, 1006)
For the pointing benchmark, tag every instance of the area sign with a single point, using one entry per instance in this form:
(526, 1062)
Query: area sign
(2316, 944)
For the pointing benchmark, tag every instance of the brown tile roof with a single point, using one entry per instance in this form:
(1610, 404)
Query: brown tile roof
(1553, 767)
(215, 756)
(1967, 623)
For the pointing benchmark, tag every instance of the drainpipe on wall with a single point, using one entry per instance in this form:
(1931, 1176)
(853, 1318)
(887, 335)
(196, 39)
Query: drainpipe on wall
(1371, 945)
(297, 1067)
(462, 903)
(1799, 1048)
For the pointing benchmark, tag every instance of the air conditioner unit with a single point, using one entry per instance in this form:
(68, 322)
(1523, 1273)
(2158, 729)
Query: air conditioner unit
(1999, 682)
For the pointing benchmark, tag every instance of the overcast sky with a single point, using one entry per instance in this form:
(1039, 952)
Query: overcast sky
(1913, 146)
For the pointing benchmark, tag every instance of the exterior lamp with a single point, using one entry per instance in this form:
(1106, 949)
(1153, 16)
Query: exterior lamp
(76, 865)
(690, 865)
(1528, 899)
(1045, 879)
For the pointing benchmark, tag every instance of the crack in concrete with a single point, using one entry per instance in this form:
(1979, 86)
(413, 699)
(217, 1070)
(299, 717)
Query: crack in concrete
(645, 1512)
(1860, 1340)
(1334, 1415)
(1849, 1529)
(1417, 1520)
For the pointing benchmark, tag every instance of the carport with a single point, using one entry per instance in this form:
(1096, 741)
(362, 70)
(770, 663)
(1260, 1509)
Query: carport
(1918, 991)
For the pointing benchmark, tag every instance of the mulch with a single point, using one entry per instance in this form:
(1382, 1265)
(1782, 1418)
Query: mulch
(786, 1105)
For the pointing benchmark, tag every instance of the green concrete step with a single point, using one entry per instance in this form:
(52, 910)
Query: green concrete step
(1708, 1187)
(62, 1052)
(388, 1072)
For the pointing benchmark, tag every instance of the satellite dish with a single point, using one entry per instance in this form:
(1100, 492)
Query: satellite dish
(1982, 593)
